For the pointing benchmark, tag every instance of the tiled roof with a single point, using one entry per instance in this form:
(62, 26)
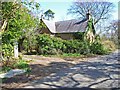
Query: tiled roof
(68, 26)
(71, 26)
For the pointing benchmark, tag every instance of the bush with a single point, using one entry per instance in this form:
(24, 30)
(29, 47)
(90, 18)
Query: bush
(58, 45)
(48, 45)
(109, 45)
(97, 48)
(53, 45)
(8, 62)
(29, 44)
(45, 44)
(22, 64)
(74, 46)
(79, 36)
(7, 50)
(14, 63)
(85, 48)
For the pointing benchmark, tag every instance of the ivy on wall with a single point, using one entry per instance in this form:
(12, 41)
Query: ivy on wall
(89, 35)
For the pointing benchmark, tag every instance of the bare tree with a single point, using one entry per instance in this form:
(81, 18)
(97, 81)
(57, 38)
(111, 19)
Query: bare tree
(113, 29)
(99, 10)
(114, 25)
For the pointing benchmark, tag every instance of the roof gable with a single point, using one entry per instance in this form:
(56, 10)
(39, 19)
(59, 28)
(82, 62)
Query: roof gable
(50, 25)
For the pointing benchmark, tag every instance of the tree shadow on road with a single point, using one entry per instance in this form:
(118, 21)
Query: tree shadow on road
(63, 72)
(86, 71)
(38, 71)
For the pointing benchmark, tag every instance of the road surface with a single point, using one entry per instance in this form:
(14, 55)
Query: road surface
(98, 72)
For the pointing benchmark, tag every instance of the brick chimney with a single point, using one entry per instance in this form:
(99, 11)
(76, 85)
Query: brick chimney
(42, 16)
(88, 15)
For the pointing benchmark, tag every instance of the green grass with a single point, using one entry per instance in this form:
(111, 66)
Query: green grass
(22, 64)
(64, 55)
(72, 55)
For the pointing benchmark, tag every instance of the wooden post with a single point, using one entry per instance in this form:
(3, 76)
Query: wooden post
(16, 49)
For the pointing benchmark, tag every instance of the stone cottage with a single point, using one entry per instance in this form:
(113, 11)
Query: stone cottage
(66, 29)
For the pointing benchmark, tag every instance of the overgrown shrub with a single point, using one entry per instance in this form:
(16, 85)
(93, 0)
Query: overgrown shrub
(109, 45)
(79, 36)
(45, 44)
(97, 48)
(74, 46)
(8, 62)
(7, 50)
(14, 63)
(21, 64)
(85, 48)
(58, 45)
(53, 45)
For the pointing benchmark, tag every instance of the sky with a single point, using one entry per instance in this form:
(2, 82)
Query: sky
(60, 8)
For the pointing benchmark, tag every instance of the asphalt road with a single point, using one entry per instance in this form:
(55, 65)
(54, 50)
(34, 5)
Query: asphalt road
(98, 72)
